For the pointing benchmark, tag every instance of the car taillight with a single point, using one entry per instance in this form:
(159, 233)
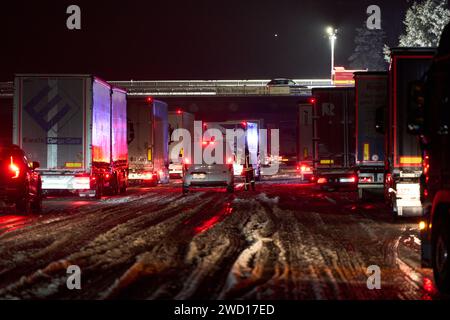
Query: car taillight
(352, 179)
(107, 176)
(14, 169)
(322, 180)
(305, 169)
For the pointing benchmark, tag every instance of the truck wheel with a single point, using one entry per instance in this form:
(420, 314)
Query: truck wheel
(123, 189)
(98, 191)
(230, 188)
(23, 205)
(114, 188)
(36, 205)
(439, 251)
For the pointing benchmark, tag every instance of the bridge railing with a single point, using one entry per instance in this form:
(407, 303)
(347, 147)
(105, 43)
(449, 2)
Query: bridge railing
(205, 87)
(218, 87)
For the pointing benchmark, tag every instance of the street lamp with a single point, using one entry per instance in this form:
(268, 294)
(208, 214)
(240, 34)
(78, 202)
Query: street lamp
(331, 32)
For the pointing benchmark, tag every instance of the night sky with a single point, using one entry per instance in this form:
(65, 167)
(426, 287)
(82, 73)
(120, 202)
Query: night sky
(191, 39)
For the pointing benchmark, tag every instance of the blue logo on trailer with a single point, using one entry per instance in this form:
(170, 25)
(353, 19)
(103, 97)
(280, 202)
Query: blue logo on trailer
(42, 116)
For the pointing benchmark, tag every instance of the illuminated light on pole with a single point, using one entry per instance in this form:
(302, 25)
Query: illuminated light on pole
(331, 32)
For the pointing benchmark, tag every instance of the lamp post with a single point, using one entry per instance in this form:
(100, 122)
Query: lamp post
(331, 32)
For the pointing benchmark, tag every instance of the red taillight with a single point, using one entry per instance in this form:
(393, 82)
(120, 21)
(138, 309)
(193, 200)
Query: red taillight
(305, 169)
(312, 100)
(204, 143)
(230, 160)
(14, 169)
(389, 177)
(149, 99)
(149, 176)
(187, 161)
(107, 176)
(322, 180)
(179, 111)
(352, 179)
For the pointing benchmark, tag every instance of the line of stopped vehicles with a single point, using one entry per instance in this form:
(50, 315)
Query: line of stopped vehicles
(387, 134)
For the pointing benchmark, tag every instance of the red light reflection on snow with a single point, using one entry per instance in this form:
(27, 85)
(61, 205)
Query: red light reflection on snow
(429, 288)
(208, 224)
(11, 222)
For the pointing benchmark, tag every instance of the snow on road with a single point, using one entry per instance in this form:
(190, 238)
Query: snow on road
(284, 241)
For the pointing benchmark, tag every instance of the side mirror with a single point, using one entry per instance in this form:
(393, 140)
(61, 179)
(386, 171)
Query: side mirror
(35, 165)
(380, 119)
(416, 103)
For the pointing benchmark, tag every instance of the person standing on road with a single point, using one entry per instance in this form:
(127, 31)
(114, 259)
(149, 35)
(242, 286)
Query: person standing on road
(248, 171)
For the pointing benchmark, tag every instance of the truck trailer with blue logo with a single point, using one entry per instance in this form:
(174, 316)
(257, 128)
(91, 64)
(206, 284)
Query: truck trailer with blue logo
(75, 126)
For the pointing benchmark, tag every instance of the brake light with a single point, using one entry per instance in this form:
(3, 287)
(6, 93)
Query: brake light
(148, 176)
(204, 143)
(322, 180)
(230, 160)
(389, 178)
(187, 161)
(14, 169)
(352, 179)
(305, 168)
(107, 176)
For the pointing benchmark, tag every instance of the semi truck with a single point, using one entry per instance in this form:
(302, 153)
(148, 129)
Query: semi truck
(430, 107)
(334, 138)
(236, 147)
(403, 160)
(180, 119)
(75, 127)
(371, 98)
(148, 141)
(305, 140)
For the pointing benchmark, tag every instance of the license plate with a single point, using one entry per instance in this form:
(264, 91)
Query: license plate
(346, 180)
(199, 176)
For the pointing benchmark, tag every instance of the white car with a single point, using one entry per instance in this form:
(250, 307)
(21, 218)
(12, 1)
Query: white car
(175, 170)
(204, 175)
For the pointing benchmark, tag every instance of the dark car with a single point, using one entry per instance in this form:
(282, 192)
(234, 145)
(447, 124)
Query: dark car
(20, 183)
(283, 82)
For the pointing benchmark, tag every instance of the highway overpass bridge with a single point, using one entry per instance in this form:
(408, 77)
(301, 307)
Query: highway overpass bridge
(198, 88)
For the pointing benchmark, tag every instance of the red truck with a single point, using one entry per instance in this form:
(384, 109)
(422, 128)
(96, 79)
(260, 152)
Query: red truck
(403, 160)
(430, 120)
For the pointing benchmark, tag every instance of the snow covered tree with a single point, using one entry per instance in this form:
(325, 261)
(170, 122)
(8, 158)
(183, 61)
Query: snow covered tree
(368, 53)
(424, 23)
